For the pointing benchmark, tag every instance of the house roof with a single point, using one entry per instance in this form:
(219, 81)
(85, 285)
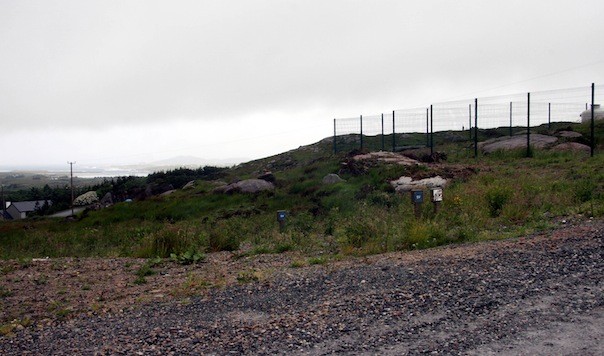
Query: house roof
(27, 206)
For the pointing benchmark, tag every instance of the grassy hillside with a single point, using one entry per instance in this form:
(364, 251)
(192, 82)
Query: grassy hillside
(496, 196)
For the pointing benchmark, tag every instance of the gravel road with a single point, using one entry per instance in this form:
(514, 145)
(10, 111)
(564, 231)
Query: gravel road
(535, 295)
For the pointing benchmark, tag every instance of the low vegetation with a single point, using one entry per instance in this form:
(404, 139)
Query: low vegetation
(497, 196)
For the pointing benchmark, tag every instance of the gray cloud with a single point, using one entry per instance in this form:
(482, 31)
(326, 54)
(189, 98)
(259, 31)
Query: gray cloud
(95, 64)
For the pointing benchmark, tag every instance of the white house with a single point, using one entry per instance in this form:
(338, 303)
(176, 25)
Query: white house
(20, 209)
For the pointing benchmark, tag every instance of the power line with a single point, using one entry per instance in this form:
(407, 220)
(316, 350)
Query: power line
(526, 80)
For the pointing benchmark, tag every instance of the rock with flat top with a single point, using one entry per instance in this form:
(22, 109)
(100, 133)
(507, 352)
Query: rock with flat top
(248, 186)
(516, 142)
(407, 184)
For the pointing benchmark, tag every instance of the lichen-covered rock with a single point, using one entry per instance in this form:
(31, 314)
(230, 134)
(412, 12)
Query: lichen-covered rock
(87, 198)
(406, 184)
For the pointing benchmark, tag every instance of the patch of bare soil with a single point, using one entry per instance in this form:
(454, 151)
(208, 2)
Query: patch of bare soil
(44, 291)
(539, 294)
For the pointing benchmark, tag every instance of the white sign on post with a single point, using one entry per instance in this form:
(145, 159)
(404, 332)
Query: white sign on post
(437, 195)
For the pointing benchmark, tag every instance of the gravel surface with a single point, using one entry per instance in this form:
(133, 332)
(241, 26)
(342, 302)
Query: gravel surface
(535, 295)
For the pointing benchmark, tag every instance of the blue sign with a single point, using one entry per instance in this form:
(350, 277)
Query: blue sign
(281, 214)
(418, 196)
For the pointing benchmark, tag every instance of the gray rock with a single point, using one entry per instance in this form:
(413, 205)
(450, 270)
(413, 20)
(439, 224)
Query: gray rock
(516, 142)
(248, 186)
(107, 199)
(268, 176)
(406, 184)
(167, 192)
(189, 185)
(572, 146)
(332, 179)
(569, 134)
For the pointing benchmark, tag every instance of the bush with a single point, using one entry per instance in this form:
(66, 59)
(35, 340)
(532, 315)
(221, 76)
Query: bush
(496, 198)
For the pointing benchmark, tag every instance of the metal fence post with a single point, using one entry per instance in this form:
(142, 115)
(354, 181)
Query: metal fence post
(427, 127)
(431, 132)
(511, 110)
(549, 116)
(393, 134)
(361, 132)
(528, 125)
(382, 131)
(475, 127)
(593, 139)
(335, 148)
(470, 120)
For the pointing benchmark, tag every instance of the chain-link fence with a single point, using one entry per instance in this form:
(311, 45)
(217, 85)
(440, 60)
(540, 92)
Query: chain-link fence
(471, 120)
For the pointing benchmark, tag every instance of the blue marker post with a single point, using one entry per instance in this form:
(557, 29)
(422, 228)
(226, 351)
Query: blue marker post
(417, 197)
(281, 216)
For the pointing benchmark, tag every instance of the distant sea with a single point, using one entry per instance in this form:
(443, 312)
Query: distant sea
(81, 172)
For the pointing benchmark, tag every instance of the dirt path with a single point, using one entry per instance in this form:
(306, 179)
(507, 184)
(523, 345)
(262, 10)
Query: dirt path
(535, 295)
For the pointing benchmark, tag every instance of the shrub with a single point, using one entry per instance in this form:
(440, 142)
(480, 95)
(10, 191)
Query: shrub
(222, 238)
(496, 198)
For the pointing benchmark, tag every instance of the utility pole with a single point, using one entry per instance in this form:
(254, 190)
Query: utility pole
(3, 202)
(71, 174)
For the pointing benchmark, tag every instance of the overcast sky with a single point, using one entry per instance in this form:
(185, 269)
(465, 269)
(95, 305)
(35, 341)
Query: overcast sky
(117, 82)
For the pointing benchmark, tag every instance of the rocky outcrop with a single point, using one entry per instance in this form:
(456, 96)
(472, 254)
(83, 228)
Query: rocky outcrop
(516, 142)
(248, 186)
(387, 157)
(406, 184)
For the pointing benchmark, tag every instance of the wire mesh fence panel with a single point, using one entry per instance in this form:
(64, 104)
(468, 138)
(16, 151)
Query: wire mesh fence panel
(407, 124)
(450, 123)
(455, 121)
(372, 131)
(347, 134)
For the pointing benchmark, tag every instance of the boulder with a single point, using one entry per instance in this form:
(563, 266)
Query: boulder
(87, 198)
(573, 147)
(189, 185)
(569, 134)
(107, 199)
(267, 176)
(248, 186)
(406, 184)
(516, 142)
(167, 192)
(332, 179)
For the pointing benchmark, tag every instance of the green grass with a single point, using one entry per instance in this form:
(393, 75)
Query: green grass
(500, 195)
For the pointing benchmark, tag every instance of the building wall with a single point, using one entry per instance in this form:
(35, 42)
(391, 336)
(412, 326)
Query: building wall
(15, 213)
